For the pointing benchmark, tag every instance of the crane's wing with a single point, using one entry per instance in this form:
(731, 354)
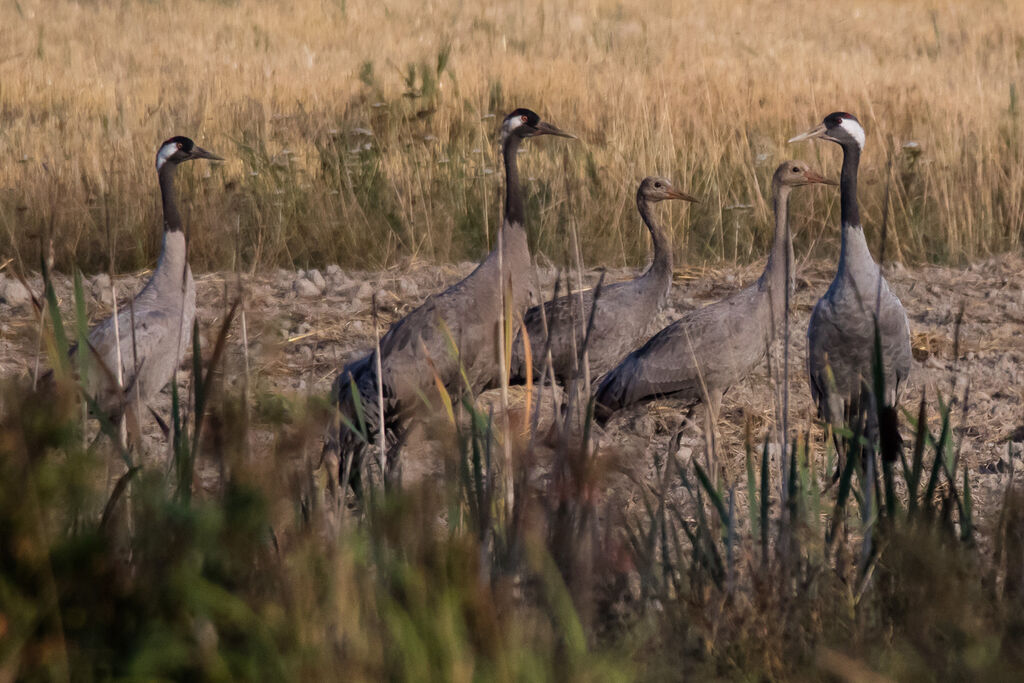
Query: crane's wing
(566, 320)
(155, 341)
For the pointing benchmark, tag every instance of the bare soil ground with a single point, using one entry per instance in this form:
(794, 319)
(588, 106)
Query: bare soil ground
(302, 327)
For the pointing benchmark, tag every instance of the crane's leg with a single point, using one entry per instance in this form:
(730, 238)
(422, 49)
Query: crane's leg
(392, 462)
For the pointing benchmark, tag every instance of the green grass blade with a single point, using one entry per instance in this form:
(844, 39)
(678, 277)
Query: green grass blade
(753, 504)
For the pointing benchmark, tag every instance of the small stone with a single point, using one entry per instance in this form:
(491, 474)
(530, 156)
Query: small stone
(645, 426)
(100, 283)
(407, 288)
(316, 278)
(333, 270)
(15, 293)
(365, 291)
(306, 288)
(386, 301)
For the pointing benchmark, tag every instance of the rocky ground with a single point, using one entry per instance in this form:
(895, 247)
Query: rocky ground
(301, 327)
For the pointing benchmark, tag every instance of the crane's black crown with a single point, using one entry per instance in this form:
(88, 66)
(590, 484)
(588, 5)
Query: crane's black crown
(185, 143)
(527, 116)
(836, 118)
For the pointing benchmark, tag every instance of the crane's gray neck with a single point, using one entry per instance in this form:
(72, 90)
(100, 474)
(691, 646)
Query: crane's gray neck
(173, 261)
(854, 256)
(172, 219)
(782, 251)
(171, 273)
(661, 265)
(514, 213)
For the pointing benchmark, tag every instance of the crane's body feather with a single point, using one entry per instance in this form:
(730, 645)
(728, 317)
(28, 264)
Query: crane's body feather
(707, 351)
(624, 314)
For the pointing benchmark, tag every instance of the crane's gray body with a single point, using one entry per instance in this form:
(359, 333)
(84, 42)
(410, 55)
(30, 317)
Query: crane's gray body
(624, 314)
(841, 333)
(702, 353)
(708, 350)
(622, 320)
(163, 315)
(467, 316)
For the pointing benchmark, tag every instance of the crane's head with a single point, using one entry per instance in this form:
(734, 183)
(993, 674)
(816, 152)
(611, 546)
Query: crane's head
(838, 127)
(797, 174)
(526, 124)
(658, 189)
(179, 149)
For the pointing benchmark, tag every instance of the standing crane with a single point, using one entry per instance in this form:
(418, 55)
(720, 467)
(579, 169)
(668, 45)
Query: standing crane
(418, 350)
(624, 311)
(153, 332)
(701, 355)
(841, 333)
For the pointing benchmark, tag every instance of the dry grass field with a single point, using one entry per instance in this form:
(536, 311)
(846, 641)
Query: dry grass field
(363, 134)
(360, 133)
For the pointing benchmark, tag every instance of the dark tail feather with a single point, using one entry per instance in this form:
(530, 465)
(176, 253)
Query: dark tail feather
(355, 422)
(608, 397)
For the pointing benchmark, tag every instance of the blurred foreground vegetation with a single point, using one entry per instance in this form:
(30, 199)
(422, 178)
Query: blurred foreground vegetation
(206, 561)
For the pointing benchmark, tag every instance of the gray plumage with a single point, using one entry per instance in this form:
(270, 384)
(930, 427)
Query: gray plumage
(624, 312)
(841, 333)
(162, 312)
(419, 347)
(708, 350)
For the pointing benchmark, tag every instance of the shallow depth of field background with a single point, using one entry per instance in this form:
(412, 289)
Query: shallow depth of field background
(363, 133)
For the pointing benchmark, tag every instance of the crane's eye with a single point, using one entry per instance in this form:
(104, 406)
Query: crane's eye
(657, 185)
(523, 117)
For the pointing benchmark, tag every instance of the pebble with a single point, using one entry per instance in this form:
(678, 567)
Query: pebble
(333, 270)
(645, 426)
(101, 288)
(305, 288)
(407, 287)
(15, 293)
(317, 278)
(100, 283)
(386, 300)
(364, 292)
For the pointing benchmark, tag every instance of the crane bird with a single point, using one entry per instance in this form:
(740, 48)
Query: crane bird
(148, 338)
(701, 355)
(417, 350)
(623, 314)
(841, 333)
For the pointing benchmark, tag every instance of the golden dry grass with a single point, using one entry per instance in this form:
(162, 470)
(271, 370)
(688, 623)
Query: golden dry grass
(707, 93)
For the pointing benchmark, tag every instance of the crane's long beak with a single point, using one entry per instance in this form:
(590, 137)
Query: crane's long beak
(200, 153)
(673, 193)
(545, 128)
(813, 177)
(815, 132)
